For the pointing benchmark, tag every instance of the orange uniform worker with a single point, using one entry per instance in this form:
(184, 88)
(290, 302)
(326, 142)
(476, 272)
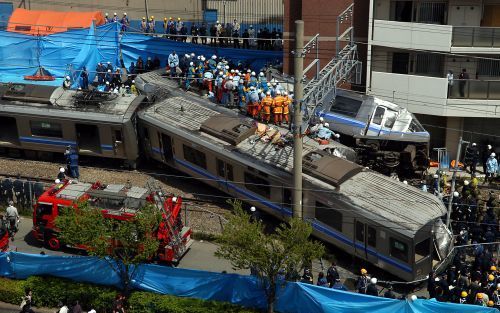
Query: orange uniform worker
(286, 107)
(278, 103)
(266, 105)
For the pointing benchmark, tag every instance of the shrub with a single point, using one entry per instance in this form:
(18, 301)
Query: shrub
(11, 291)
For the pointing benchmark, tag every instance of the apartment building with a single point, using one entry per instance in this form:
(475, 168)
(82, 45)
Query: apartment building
(413, 45)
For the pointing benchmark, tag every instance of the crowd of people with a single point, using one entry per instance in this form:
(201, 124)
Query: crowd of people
(217, 34)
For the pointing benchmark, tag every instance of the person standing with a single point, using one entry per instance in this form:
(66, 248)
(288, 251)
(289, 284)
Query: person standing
(371, 289)
(125, 22)
(322, 280)
(488, 150)
(463, 77)
(173, 62)
(27, 302)
(362, 282)
(144, 25)
(332, 274)
(85, 78)
(73, 164)
(449, 78)
(151, 25)
(491, 167)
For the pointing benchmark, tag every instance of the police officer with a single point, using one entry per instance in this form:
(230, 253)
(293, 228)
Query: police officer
(115, 17)
(85, 78)
(73, 164)
(332, 274)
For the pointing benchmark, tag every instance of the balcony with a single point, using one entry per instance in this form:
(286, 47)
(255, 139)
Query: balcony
(406, 35)
(474, 89)
(484, 37)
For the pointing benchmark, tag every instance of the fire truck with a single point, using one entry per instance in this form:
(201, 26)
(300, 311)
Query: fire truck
(4, 235)
(120, 202)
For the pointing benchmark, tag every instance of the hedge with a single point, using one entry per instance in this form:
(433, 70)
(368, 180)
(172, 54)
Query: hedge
(48, 291)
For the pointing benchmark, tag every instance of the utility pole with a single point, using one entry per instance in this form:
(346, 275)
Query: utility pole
(147, 9)
(298, 89)
(453, 181)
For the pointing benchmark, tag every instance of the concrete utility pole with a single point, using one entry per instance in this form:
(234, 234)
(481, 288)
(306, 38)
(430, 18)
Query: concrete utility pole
(453, 181)
(147, 10)
(298, 89)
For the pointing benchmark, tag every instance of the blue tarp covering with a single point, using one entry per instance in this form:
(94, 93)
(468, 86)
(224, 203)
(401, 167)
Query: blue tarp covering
(234, 288)
(135, 45)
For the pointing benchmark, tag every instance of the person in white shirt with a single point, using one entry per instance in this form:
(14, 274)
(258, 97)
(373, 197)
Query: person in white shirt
(449, 77)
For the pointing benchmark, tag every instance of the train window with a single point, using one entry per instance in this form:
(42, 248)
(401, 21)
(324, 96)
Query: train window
(371, 237)
(221, 171)
(46, 129)
(194, 156)
(399, 249)
(378, 116)
(258, 185)
(118, 135)
(422, 249)
(390, 118)
(328, 216)
(229, 172)
(360, 231)
(346, 106)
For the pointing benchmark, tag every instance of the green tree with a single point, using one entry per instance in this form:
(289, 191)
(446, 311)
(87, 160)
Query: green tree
(121, 243)
(245, 243)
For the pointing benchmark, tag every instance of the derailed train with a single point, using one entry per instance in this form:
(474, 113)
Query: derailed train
(382, 221)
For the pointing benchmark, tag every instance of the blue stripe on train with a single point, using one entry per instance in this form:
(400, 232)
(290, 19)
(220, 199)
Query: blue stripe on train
(55, 142)
(107, 147)
(337, 235)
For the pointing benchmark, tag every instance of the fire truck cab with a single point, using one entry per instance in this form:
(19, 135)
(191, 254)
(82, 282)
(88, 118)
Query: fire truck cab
(119, 202)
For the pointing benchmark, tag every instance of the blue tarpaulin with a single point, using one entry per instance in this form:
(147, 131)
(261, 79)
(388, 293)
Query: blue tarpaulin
(238, 289)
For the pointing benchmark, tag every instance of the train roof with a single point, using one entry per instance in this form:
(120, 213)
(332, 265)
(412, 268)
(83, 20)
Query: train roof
(385, 200)
(50, 101)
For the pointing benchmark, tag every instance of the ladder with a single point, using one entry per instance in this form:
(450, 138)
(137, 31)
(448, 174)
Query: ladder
(339, 69)
(160, 200)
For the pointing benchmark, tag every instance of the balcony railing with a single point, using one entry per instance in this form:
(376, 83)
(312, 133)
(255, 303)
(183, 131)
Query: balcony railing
(474, 89)
(486, 37)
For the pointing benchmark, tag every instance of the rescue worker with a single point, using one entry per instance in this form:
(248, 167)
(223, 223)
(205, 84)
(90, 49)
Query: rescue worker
(73, 164)
(173, 62)
(286, 108)
(133, 88)
(253, 106)
(208, 78)
(179, 25)
(463, 297)
(12, 217)
(151, 25)
(109, 77)
(371, 289)
(362, 282)
(324, 132)
(266, 105)
(479, 299)
(109, 66)
(67, 83)
(115, 17)
(144, 25)
(212, 63)
(165, 25)
(278, 104)
(242, 96)
(85, 78)
(262, 80)
(107, 19)
(491, 168)
(125, 22)
(472, 157)
(253, 80)
(191, 72)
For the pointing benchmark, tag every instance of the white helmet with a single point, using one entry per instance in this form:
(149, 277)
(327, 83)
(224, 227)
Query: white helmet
(241, 81)
(68, 78)
(326, 125)
(203, 59)
(224, 76)
(248, 71)
(227, 67)
(115, 14)
(253, 74)
(174, 199)
(473, 144)
(435, 176)
(187, 55)
(109, 62)
(192, 55)
(107, 83)
(191, 63)
(278, 92)
(405, 182)
(57, 181)
(252, 209)
(214, 57)
(261, 74)
(321, 119)
(489, 147)
(220, 73)
(124, 13)
(456, 194)
(337, 135)
(133, 82)
(413, 298)
(218, 67)
(232, 71)
(106, 14)
(373, 281)
(61, 169)
(236, 71)
(493, 154)
(252, 87)
(198, 57)
(268, 93)
(466, 183)
(109, 71)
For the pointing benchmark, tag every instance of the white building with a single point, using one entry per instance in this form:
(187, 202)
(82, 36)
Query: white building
(411, 47)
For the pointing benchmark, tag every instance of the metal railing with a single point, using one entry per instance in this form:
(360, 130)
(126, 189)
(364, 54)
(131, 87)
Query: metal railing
(475, 36)
(474, 89)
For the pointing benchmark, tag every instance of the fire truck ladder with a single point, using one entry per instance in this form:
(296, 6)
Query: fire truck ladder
(160, 199)
(340, 69)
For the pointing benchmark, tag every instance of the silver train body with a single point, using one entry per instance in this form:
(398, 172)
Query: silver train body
(41, 121)
(380, 220)
(387, 137)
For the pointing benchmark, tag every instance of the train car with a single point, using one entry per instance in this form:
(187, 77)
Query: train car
(382, 221)
(42, 120)
(387, 137)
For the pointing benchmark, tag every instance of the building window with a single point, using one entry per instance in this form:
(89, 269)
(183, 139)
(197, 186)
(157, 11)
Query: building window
(258, 185)
(427, 12)
(194, 156)
(429, 64)
(329, 216)
(372, 237)
(224, 170)
(399, 250)
(46, 129)
(422, 249)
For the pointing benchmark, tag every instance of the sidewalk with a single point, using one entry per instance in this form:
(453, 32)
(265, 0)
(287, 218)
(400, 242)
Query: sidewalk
(13, 308)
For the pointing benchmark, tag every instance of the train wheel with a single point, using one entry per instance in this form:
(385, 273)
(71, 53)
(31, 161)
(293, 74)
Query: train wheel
(53, 243)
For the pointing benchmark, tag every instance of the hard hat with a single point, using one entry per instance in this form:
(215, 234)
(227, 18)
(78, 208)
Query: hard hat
(252, 209)
(237, 71)
(164, 18)
(224, 76)
(373, 281)
(114, 14)
(227, 67)
(435, 176)
(133, 82)
(278, 93)
(203, 59)
(268, 93)
(248, 71)
(198, 57)
(217, 22)
(326, 125)
(363, 271)
(109, 71)
(178, 18)
(143, 18)
(261, 74)
(57, 181)
(413, 298)
(253, 74)
(493, 268)
(191, 63)
(218, 67)
(491, 277)
(232, 71)
(61, 169)
(436, 279)
(214, 57)
(109, 62)
(498, 286)
(489, 147)
(464, 294)
(174, 199)
(337, 135)
(321, 119)
(241, 81)
(152, 17)
(68, 78)
(479, 295)
(456, 194)
(252, 88)
(473, 144)
(466, 183)
(405, 182)
(490, 303)
(192, 54)
(107, 83)
(493, 154)
(220, 73)
(106, 14)
(187, 55)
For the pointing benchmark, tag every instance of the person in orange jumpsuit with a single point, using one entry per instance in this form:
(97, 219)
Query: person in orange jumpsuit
(278, 104)
(286, 107)
(266, 105)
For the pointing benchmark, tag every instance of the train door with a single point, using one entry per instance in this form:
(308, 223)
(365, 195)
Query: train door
(365, 241)
(118, 141)
(376, 122)
(87, 138)
(166, 148)
(224, 171)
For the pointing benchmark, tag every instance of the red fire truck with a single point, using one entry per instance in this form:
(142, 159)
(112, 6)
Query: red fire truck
(119, 202)
(4, 235)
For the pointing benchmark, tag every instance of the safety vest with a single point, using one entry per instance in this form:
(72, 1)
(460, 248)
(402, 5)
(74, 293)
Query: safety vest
(286, 105)
(278, 105)
(267, 102)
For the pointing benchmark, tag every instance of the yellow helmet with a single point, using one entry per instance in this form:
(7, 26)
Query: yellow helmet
(491, 303)
(152, 17)
(464, 294)
(363, 271)
(479, 295)
(165, 19)
(143, 18)
(178, 18)
(493, 268)
(170, 17)
(491, 277)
